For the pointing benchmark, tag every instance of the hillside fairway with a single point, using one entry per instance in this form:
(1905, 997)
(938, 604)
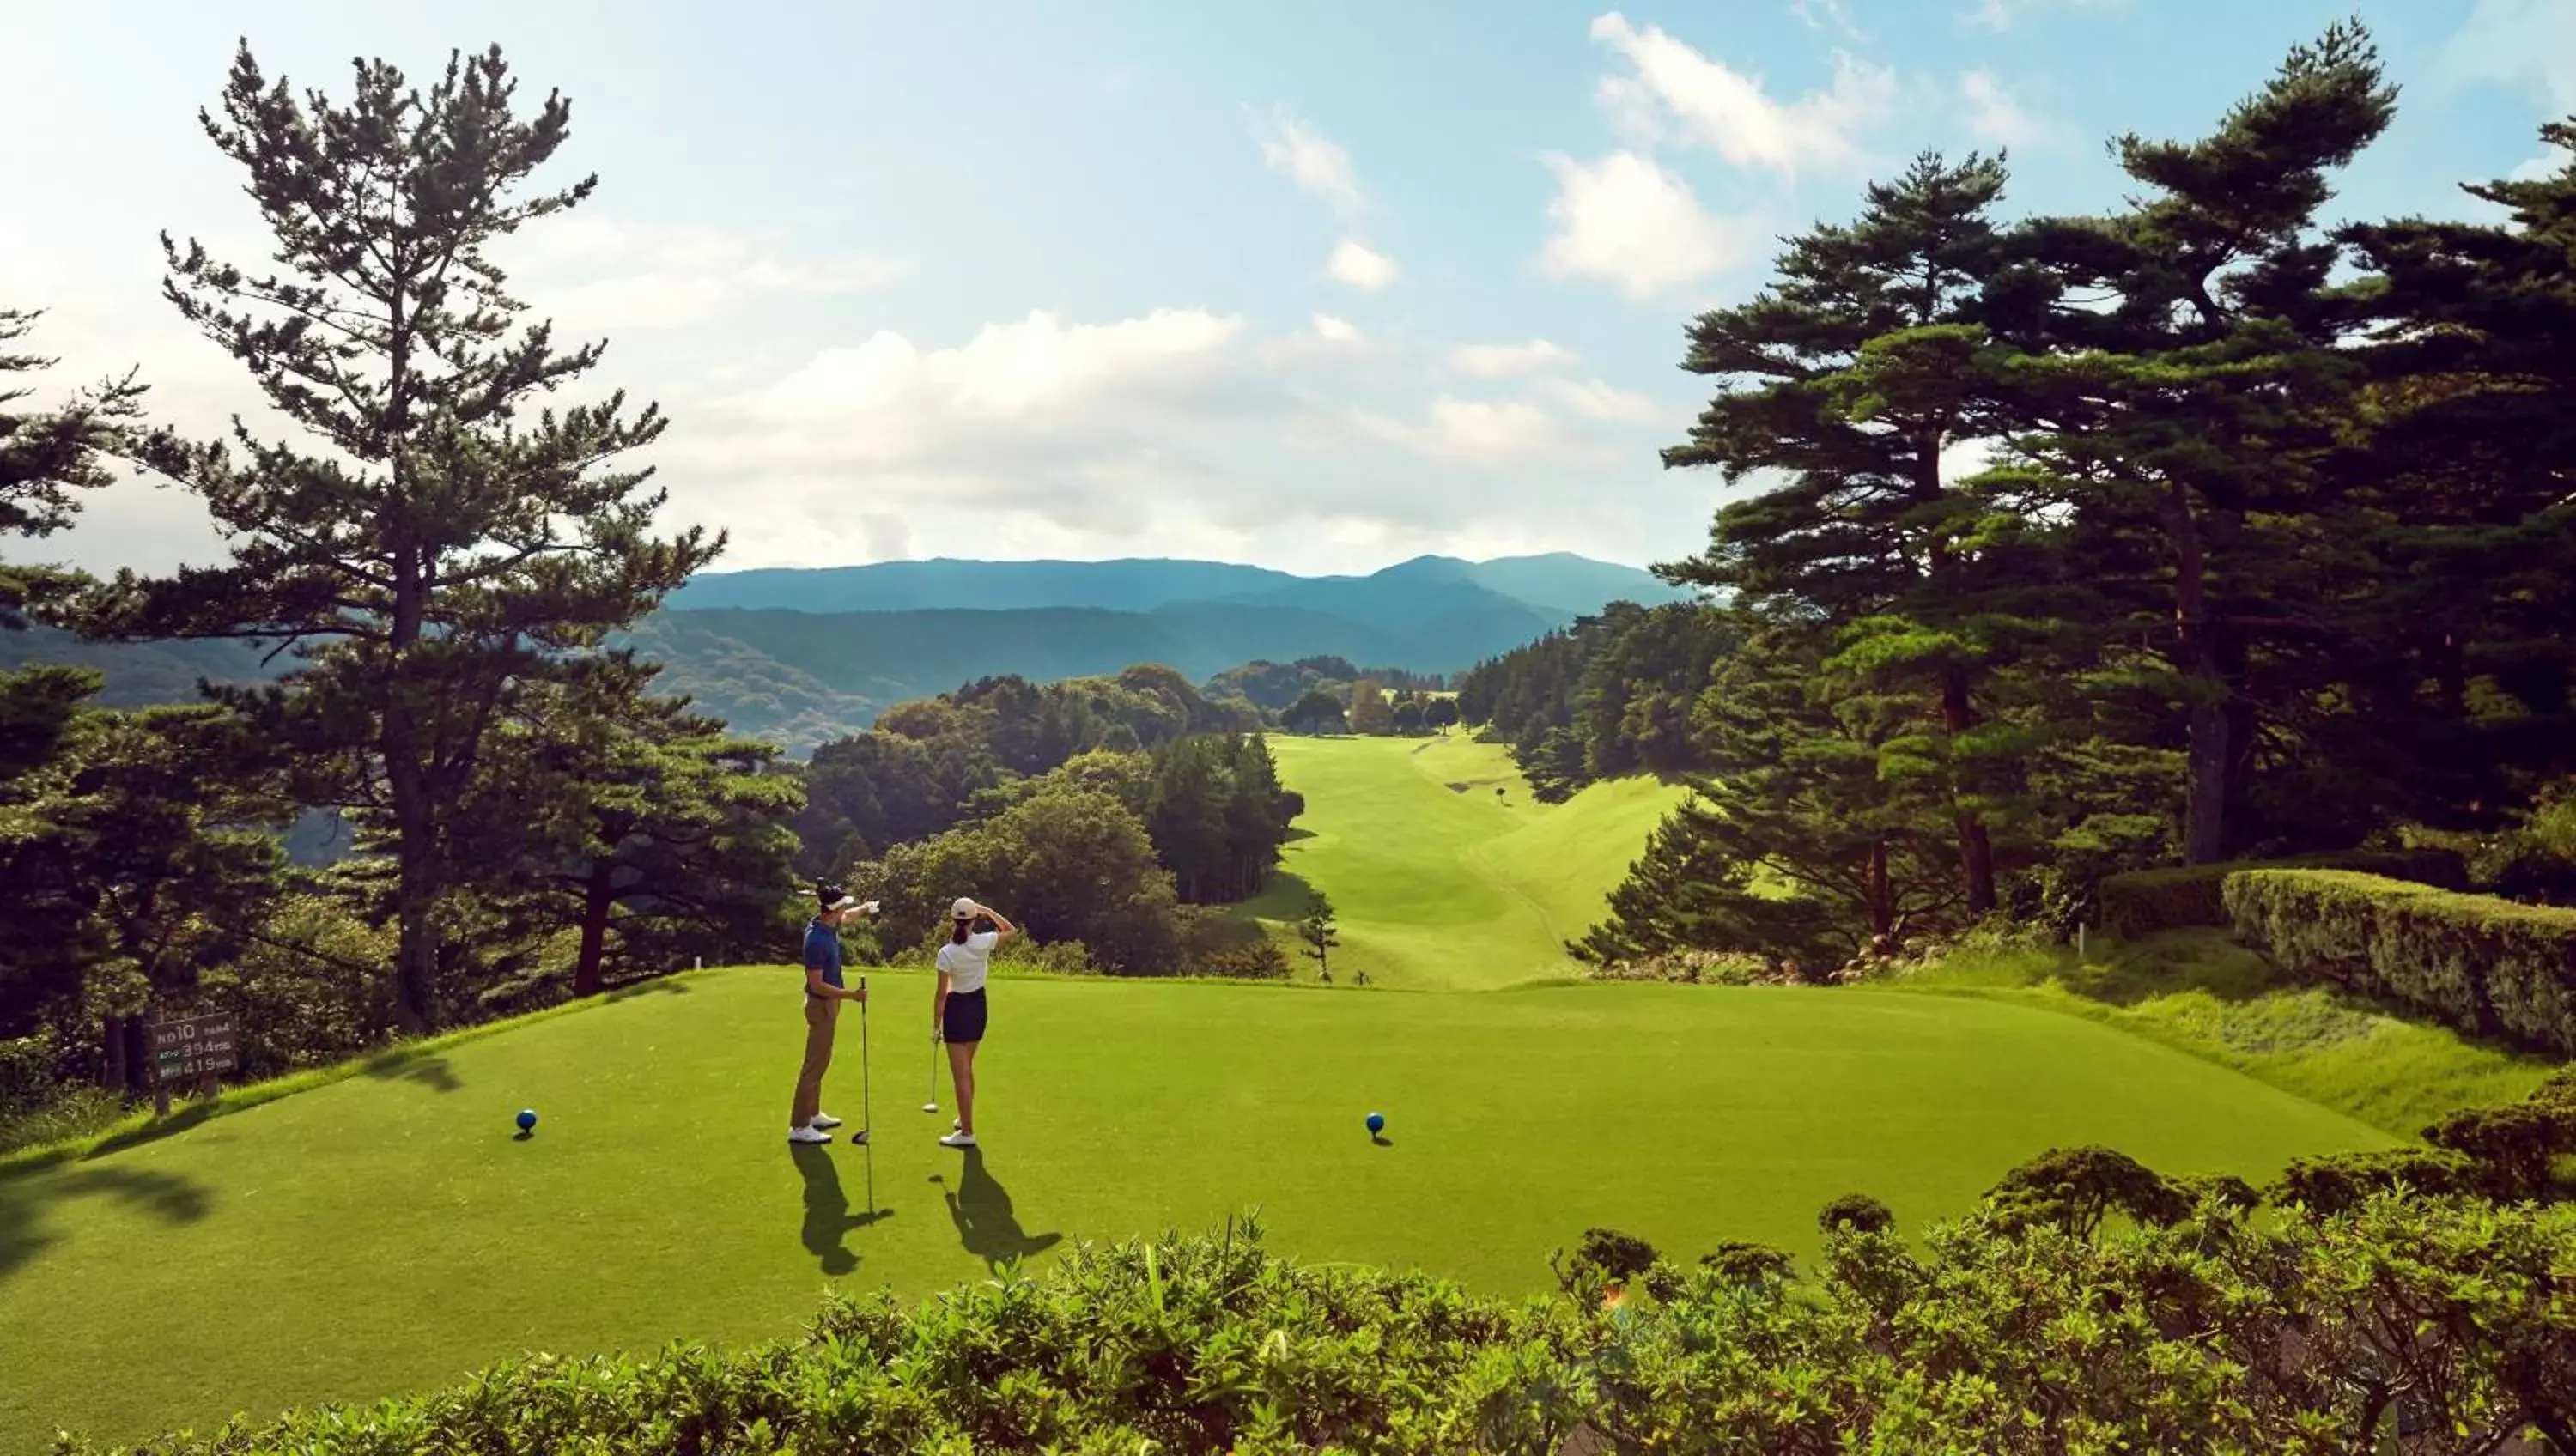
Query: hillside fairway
(388, 1233)
(1440, 883)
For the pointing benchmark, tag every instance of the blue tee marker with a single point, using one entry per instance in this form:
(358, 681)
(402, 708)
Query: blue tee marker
(527, 1119)
(1376, 1123)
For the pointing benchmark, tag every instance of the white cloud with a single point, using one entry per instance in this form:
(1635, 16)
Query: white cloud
(1355, 263)
(1499, 361)
(1597, 400)
(1629, 222)
(1317, 164)
(1831, 15)
(1476, 431)
(600, 271)
(1681, 94)
(1336, 331)
(2002, 15)
(2530, 44)
(1995, 117)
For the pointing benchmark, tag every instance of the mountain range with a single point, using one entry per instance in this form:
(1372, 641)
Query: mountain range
(799, 656)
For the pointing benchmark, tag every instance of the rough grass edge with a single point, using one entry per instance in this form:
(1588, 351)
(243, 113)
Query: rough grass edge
(2147, 1028)
(143, 1126)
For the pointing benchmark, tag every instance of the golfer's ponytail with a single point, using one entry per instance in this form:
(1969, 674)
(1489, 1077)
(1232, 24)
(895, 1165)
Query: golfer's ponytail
(960, 928)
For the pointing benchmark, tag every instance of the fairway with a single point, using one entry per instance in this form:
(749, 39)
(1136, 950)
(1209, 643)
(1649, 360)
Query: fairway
(1440, 883)
(387, 1233)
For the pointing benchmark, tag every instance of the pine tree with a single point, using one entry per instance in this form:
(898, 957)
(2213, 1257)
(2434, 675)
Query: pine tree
(2465, 684)
(1860, 363)
(2176, 391)
(1316, 932)
(611, 807)
(1797, 837)
(447, 544)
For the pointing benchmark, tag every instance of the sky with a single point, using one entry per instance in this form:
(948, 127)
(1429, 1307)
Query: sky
(1320, 285)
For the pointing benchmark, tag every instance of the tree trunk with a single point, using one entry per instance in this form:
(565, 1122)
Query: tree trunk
(1976, 850)
(598, 897)
(2196, 655)
(1882, 901)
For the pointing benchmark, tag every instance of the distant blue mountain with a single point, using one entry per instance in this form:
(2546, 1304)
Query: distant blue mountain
(801, 656)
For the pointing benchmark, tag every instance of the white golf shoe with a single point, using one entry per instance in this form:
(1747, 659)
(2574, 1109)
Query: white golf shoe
(826, 1121)
(808, 1134)
(959, 1139)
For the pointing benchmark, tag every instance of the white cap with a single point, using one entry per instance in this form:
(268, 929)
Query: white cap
(964, 908)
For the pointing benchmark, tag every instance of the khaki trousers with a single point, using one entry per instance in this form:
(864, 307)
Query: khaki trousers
(822, 1019)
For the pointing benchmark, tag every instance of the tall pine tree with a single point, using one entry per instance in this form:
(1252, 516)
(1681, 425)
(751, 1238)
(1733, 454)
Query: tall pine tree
(443, 542)
(2177, 392)
(1851, 376)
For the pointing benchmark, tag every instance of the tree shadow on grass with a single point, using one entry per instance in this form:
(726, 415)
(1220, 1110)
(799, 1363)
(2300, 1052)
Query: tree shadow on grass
(981, 1209)
(827, 1210)
(429, 1069)
(25, 1200)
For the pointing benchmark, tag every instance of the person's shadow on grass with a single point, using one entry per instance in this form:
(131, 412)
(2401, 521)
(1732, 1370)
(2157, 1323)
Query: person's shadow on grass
(827, 1209)
(981, 1208)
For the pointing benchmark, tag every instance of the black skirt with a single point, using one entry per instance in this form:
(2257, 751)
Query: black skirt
(965, 1017)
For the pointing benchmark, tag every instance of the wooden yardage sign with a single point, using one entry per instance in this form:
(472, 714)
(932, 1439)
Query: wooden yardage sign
(194, 1049)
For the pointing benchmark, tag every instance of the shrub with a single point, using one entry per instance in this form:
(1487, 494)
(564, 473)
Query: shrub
(2485, 966)
(2074, 1190)
(2340, 1182)
(2143, 902)
(1743, 1261)
(1605, 1254)
(2514, 1146)
(2223, 1337)
(1857, 1212)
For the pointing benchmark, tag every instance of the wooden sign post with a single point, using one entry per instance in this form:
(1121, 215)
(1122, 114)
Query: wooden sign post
(194, 1049)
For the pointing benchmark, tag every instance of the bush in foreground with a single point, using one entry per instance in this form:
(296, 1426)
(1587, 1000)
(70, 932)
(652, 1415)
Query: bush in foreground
(2301, 1334)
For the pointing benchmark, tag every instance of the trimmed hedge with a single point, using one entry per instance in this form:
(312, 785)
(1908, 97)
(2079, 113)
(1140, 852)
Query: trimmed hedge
(2485, 966)
(2143, 902)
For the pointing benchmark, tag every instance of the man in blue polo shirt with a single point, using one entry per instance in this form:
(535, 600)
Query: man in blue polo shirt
(807, 1122)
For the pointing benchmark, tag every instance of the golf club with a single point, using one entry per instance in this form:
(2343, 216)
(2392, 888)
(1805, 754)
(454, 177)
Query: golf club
(867, 1098)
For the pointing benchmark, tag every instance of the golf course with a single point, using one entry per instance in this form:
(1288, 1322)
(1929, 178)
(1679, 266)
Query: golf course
(398, 1210)
(1443, 872)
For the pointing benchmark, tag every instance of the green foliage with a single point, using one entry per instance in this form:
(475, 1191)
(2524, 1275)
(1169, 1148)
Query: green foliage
(1068, 865)
(933, 763)
(451, 548)
(2146, 902)
(2340, 1183)
(1856, 1213)
(1316, 933)
(1370, 713)
(2484, 965)
(2072, 1190)
(1795, 793)
(1604, 1255)
(647, 830)
(1280, 686)
(1613, 695)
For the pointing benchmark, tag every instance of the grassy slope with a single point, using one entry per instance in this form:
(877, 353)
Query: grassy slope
(2201, 992)
(657, 1200)
(1438, 889)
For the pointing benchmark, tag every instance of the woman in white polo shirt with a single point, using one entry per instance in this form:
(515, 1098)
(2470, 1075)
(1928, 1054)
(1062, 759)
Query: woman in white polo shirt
(957, 1011)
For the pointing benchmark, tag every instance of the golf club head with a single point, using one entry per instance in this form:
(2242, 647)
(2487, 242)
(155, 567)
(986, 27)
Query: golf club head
(930, 1107)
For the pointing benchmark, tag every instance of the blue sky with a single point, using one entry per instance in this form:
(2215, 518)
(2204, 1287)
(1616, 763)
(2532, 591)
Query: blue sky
(1321, 285)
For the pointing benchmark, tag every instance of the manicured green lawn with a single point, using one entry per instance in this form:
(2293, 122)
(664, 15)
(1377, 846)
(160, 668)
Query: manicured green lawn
(387, 1233)
(1451, 888)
